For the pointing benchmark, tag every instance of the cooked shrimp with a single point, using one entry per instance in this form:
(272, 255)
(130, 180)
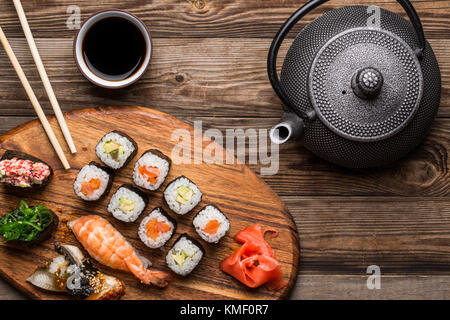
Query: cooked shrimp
(106, 245)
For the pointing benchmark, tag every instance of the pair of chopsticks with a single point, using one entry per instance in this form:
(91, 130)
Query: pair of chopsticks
(48, 87)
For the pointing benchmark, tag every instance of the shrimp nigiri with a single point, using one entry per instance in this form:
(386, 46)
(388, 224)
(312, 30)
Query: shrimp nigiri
(106, 245)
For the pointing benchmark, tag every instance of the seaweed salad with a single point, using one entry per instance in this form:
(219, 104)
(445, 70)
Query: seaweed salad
(27, 224)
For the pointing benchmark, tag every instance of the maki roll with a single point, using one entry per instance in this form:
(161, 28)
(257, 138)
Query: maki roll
(211, 224)
(182, 195)
(185, 255)
(116, 149)
(127, 203)
(157, 228)
(151, 170)
(93, 182)
(21, 171)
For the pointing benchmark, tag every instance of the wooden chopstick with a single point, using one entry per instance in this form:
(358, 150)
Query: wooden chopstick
(44, 77)
(37, 107)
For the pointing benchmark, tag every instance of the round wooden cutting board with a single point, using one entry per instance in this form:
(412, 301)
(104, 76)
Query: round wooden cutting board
(235, 189)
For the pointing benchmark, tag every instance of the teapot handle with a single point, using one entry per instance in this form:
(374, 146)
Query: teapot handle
(300, 13)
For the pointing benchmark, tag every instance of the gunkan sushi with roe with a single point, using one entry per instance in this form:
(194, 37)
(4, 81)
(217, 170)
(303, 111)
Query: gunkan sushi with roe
(185, 255)
(151, 170)
(182, 195)
(127, 203)
(157, 228)
(116, 149)
(211, 224)
(93, 182)
(19, 170)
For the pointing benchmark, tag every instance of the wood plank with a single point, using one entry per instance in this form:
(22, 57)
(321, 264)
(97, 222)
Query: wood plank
(220, 77)
(7, 292)
(422, 173)
(206, 18)
(340, 237)
(354, 287)
(238, 192)
(344, 235)
(338, 287)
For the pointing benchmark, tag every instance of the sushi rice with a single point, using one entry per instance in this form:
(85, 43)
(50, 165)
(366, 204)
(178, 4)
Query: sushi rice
(202, 222)
(175, 200)
(126, 149)
(185, 255)
(127, 204)
(86, 174)
(162, 237)
(155, 159)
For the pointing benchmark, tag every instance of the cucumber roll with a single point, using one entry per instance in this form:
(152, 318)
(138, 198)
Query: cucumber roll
(182, 195)
(185, 255)
(127, 203)
(116, 149)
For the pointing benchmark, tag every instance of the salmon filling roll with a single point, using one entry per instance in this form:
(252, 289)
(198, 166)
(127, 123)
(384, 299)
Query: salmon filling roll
(93, 182)
(157, 228)
(151, 170)
(211, 224)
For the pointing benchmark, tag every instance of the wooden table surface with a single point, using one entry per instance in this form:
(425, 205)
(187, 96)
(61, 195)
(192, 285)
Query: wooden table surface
(209, 63)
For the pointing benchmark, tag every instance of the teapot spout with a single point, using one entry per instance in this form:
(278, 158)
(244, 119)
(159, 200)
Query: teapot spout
(290, 126)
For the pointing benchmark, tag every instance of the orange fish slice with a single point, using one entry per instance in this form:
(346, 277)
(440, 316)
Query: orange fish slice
(88, 188)
(151, 173)
(155, 228)
(212, 226)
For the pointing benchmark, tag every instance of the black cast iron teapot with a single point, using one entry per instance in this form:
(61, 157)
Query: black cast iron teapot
(359, 84)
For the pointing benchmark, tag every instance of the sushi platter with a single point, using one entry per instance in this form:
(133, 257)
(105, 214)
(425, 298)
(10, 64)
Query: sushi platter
(190, 253)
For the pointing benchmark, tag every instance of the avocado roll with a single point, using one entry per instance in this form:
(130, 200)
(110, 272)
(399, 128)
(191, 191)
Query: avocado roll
(151, 170)
(93, 182)
(185, 255)
(157, 228)
(22, 171)
(211, 224)
(127, 203)
(182, 195)
(116, 149)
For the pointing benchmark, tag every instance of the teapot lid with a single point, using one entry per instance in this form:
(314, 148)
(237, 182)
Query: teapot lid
(365, 84)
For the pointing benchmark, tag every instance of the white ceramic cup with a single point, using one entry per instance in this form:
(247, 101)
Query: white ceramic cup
(78, 49)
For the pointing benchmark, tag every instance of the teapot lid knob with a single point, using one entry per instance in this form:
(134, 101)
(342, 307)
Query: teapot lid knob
(367, 83)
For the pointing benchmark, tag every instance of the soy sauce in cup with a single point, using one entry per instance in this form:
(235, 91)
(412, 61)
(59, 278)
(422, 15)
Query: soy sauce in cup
(113, 49)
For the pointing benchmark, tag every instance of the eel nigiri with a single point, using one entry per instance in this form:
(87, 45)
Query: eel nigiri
(106, 245)
(72, 272)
